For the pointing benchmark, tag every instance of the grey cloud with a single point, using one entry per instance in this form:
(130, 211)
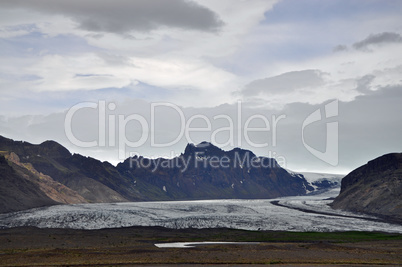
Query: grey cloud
(95, 35)
(339, 48)
(122, 16)
(284, 83)
(369, 127)
(385, 37)
(363, 84)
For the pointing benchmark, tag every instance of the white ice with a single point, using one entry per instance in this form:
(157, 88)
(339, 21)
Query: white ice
(257, 214)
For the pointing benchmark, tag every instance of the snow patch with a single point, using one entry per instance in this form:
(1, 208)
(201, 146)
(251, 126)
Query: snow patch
(316, 179)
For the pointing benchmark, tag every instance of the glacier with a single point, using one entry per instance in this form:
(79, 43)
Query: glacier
(298, 213)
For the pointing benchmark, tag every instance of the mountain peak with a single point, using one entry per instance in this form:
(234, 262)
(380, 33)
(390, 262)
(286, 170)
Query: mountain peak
(55, 149)
(205, 144)
(205, 148)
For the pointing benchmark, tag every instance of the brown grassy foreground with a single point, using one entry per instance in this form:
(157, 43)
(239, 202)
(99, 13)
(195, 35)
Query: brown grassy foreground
(135, 245)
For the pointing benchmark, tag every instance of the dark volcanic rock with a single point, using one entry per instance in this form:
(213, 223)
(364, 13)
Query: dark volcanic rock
(205, 171)
(374, 188)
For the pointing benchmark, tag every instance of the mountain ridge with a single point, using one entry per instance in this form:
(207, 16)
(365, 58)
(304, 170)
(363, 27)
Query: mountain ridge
(205, 171)
(202, 171)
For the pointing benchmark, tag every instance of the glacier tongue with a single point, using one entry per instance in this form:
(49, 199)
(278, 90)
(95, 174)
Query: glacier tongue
(239, 214)
(321, 182)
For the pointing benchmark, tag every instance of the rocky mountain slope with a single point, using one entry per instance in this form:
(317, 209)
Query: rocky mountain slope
(374, 188)
(93, 180)
(54, 190)
(17, 192)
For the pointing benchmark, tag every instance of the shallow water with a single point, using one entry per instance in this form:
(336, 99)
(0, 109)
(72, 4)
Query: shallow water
(194, 244)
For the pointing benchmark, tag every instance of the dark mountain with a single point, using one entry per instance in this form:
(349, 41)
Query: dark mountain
(205, 171)
(54, 190)
(95, 181)
(18, 193)
(374, 188)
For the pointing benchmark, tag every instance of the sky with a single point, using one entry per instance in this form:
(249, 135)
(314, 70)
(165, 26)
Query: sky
(315, 84)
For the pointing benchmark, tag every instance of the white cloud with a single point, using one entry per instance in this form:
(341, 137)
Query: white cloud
(91, 71)
(84, 72)
(167, 57)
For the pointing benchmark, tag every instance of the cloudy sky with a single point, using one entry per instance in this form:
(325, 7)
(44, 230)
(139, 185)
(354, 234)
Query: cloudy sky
(275, 62)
